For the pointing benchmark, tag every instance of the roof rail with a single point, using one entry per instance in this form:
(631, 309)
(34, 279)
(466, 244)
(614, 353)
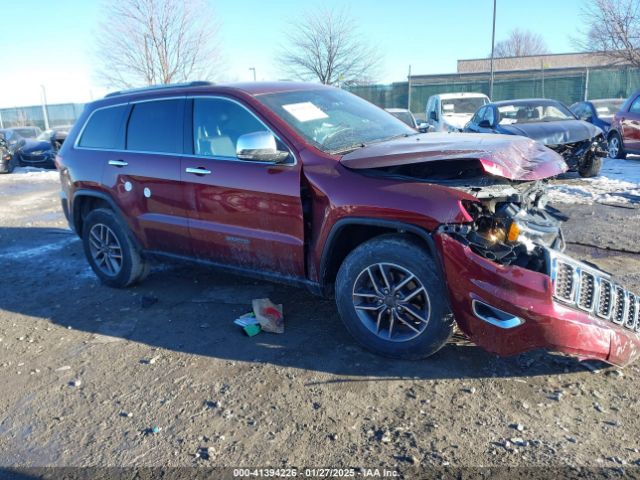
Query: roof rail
(197, 83)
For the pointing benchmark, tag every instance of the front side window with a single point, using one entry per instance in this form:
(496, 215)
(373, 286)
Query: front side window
(477, 118)
(156, 126)
(217, 125)
(489, 116)
(104, 129)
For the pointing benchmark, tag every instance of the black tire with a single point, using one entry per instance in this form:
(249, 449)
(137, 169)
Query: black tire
(132, 265)
(590, 166)
(394, 251)
(615, 146)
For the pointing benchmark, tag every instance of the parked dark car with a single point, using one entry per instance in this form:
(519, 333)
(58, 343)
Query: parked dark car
(7, 160)
(11, 142)
(313, 186)
(624, 133)
(581, 144)
(407, 117)
(599, 112)
(41, 151)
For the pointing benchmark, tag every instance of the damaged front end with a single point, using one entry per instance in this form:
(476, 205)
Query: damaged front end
(583, 155)
(512, 289)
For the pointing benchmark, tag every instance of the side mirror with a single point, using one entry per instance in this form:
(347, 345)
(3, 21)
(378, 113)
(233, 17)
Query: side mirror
(433, 115)
(423, 127)
(260, 147)
(484, 124)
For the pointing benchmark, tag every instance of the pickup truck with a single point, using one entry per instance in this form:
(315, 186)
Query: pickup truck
(313, 186)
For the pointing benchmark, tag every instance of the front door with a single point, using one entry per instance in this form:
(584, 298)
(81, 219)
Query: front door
(245, 214)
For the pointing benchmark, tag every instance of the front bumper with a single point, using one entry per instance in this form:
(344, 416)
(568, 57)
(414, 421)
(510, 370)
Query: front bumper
(45, 160)
(528, 296)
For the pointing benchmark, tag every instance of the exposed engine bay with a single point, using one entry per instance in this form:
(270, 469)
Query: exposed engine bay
(511, 225)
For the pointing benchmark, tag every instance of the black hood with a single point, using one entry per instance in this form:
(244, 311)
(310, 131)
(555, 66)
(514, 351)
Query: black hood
(554, 133)
(32, 145)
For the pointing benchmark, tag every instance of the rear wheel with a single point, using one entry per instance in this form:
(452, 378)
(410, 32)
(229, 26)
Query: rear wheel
(392, 300)
(111, 253)
(615, 147)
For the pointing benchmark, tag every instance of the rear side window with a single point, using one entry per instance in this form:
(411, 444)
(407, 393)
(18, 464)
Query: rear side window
(156, 126)
(104, 129)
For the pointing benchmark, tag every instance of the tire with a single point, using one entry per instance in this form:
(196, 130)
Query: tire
(103, 235)
(590, 166)
(399, 257)
(616, 147)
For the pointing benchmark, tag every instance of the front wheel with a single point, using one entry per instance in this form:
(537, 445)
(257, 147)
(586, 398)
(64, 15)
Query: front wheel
(392, 300)
(590, 166)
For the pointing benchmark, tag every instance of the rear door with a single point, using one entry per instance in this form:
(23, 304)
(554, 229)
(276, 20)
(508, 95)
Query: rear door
(630, 122)
(144, 178)
(245, 214)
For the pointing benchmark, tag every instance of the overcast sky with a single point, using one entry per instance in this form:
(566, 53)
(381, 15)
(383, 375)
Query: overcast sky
(51, 43)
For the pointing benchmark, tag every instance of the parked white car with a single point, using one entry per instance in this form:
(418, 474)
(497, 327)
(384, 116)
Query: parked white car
(450, 112)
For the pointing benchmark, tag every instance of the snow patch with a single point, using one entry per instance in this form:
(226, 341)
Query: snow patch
(618, 182)
(30, 174)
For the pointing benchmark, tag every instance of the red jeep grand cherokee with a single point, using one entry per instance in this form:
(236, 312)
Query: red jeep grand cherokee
(314, 186)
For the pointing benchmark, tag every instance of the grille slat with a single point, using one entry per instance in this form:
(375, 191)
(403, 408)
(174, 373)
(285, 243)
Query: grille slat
(584, 287)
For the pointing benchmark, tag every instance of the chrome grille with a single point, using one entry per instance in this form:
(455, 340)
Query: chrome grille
(604, 299)
(586, 290)
(631, 318)
(579, 285)
(619, 302)
(564, 286)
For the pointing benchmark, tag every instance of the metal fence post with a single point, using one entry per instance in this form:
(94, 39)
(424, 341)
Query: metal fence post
(409, 89)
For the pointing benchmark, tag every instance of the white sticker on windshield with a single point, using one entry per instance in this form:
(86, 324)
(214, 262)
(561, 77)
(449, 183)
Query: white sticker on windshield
(447, 106)
(305, 111)
(507, 108)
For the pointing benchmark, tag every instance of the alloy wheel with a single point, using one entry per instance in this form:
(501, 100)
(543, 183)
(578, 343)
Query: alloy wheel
(391, 302)
(105, 249)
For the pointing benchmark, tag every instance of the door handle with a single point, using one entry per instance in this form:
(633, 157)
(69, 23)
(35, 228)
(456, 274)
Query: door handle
(118, 163)
(197, 171)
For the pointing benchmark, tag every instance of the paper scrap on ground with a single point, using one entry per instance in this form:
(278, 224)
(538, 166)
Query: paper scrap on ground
(246, 319)
(269, 315)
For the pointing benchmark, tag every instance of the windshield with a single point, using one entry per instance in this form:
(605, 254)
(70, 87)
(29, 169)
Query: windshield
(27, 132)
(335, 120)
(46, 135)
(466, 106)
(607, 108)
(533, 112)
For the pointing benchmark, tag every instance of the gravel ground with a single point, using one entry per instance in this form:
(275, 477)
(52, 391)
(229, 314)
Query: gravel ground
(158, 375)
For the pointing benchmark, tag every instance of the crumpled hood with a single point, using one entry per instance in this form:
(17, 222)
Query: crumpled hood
(514, 158)
(555, 133)
(458, 120)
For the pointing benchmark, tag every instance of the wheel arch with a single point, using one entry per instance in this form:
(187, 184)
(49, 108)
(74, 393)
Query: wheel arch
(84, 201)
(348, 233)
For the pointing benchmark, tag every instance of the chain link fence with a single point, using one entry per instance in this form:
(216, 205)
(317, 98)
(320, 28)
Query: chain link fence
(58, 115)
(566, 85)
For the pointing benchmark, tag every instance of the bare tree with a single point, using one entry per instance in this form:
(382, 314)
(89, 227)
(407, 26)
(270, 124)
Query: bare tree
(520, 43)
(325, 45)
(613, 28)
(147, 42)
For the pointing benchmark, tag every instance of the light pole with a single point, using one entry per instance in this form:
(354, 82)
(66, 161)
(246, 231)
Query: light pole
(45, 113)
(493, 44)
(253, 69)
